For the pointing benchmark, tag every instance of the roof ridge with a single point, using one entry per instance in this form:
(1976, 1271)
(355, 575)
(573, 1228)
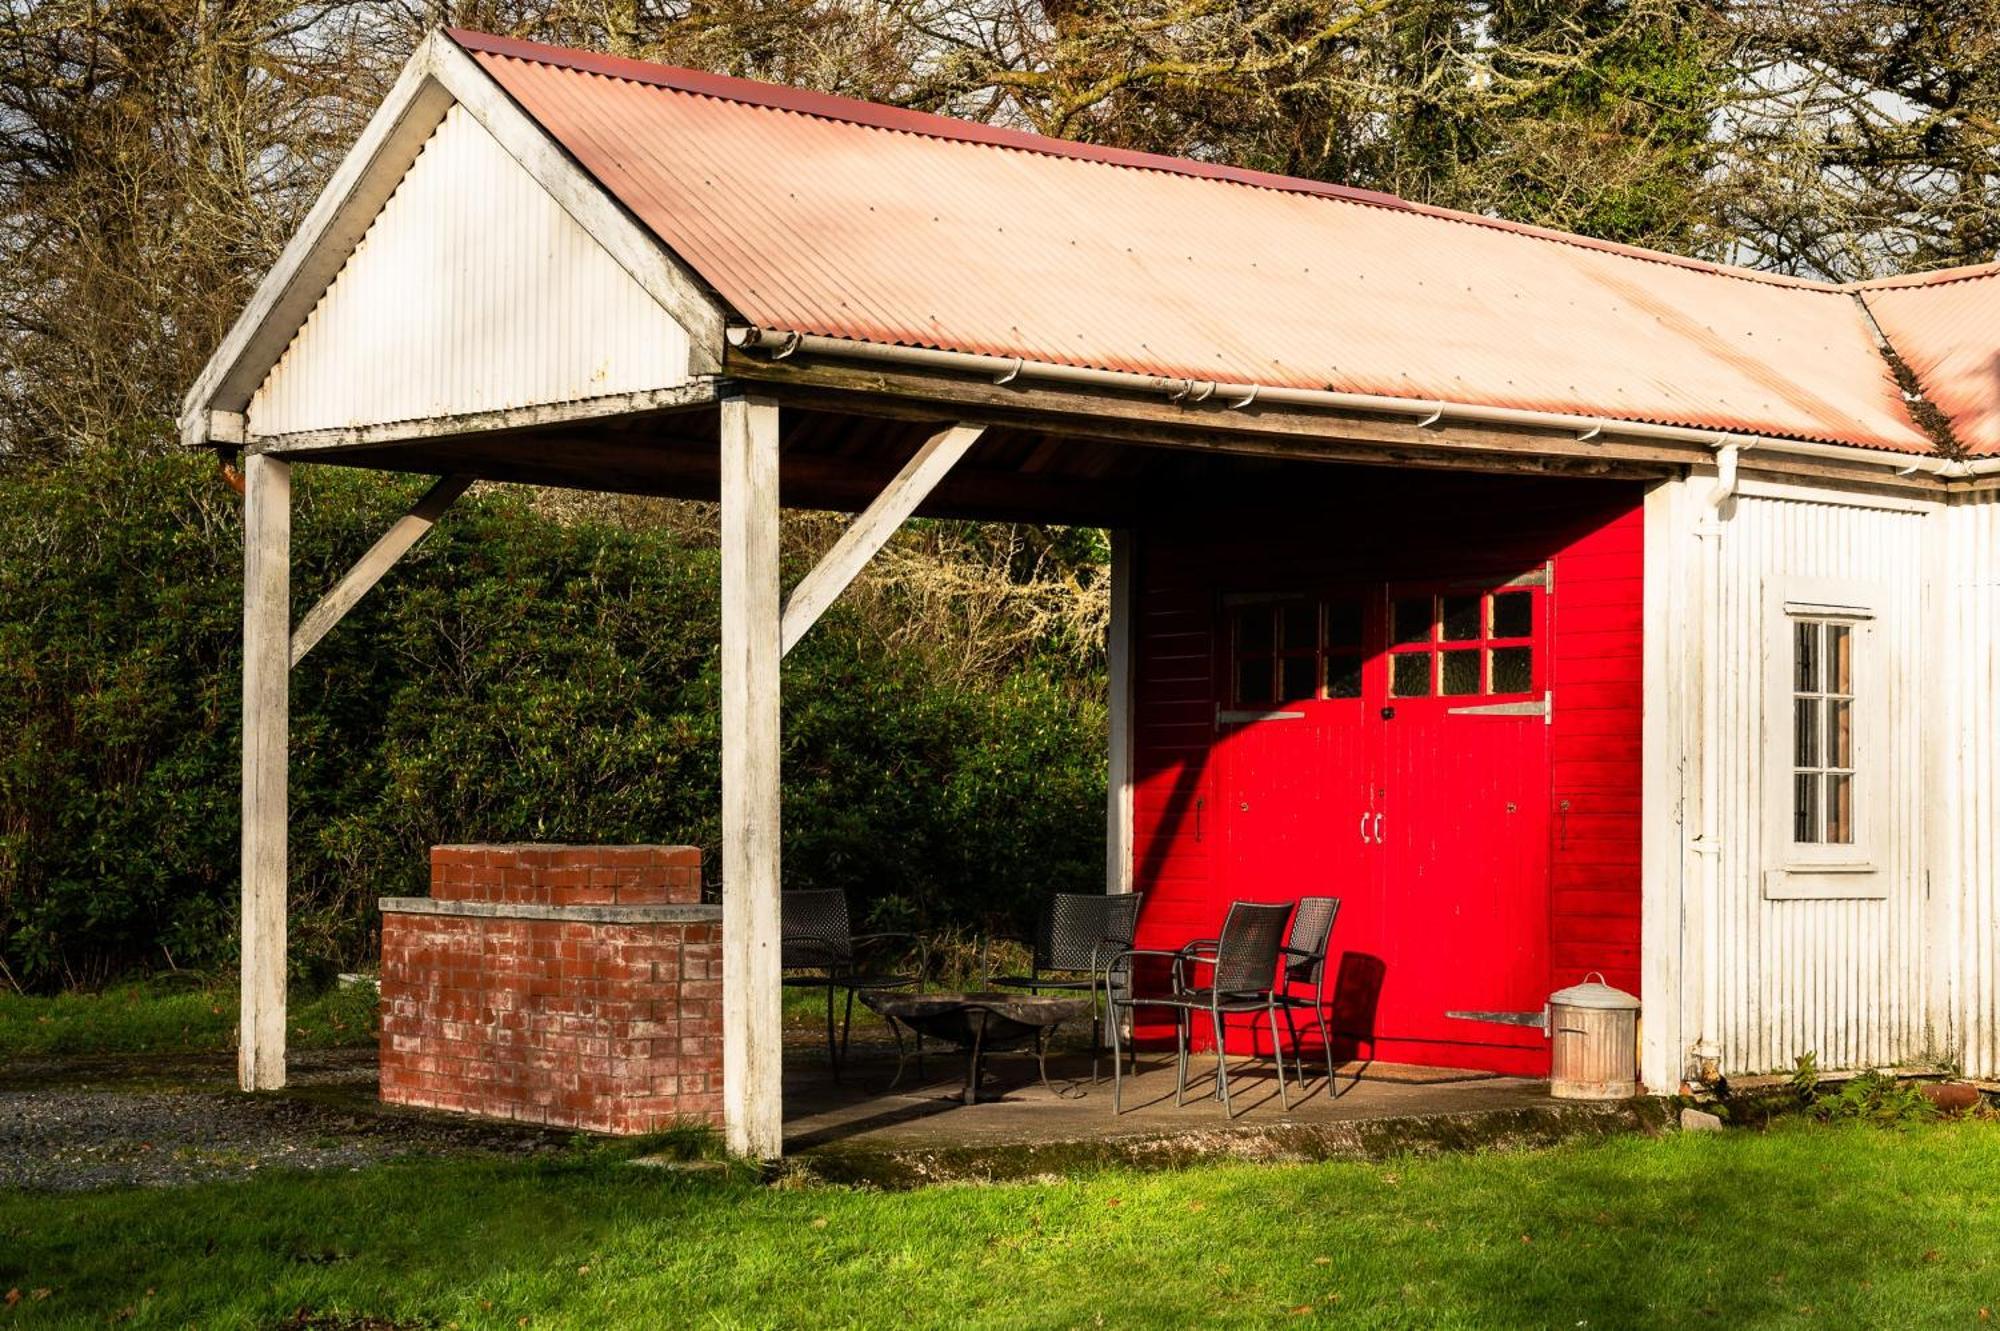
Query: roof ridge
(1936, 277)
(877, 115)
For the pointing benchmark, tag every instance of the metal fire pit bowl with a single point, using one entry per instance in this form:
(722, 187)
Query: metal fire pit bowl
(978, 1023)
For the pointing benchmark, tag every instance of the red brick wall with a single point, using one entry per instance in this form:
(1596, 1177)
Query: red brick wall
(576, 986)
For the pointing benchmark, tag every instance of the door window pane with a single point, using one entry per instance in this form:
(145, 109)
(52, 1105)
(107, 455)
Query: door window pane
(1298, 677)
(1513, 614)
(1458, 673)
(1461, 619)
(1253, 681)
(1300, 625)
(1410, 675)
(1513, 669)
(1343, 677)
(1411, 620)
(1343, 624)
(1253, 629)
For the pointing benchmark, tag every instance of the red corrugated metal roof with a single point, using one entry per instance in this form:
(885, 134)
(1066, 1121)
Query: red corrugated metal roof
(1946, 327)
(826, 216)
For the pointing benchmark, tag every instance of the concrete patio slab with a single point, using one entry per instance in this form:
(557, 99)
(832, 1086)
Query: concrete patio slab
(860, 1129)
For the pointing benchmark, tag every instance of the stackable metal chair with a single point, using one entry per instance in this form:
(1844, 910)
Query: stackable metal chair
(1243, 969)
(815, 938)
(1075, 936)
(1303, 985)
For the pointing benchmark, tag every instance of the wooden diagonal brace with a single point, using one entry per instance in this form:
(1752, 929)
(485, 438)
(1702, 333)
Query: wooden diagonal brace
(873, 527)
(381, 557)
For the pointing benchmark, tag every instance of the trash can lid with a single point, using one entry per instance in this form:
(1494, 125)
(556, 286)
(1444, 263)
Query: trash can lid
(1595, 993)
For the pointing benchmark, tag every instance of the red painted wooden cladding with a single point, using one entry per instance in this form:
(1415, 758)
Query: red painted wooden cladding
(1344, 699)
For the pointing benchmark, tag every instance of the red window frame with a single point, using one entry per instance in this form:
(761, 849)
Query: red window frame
(1479, 621)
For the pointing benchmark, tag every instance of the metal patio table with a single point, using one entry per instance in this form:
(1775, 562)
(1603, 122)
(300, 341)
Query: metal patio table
(978, 1023)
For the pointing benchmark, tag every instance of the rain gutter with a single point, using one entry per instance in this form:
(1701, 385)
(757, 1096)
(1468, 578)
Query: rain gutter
(1189, 392)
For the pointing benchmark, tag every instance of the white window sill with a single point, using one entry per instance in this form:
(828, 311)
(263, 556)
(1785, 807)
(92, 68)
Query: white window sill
(1826, 882)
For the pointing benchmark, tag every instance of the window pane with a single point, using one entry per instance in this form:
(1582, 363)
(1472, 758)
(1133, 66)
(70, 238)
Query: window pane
(1411, 618)
(1253, 681)
(1253, 629)
(1300, 624)
(1805, 658)
(1343, 677)
(1805, 807)
(1805, 732)
(1513, 669)
(1461, 619)
(1343, 624)
(1459, 672)
(1514, 615)
(1839, 658)
(1296, 675)
(1410, 675)
(1840, 734)
(1840, 810)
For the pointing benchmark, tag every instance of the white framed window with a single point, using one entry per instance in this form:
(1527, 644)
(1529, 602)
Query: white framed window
(1824, 746)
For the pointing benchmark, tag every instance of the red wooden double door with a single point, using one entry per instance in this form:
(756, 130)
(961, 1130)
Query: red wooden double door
(1389, 744)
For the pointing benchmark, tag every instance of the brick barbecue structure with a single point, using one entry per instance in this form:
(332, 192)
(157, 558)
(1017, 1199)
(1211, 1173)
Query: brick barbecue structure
(577, 986)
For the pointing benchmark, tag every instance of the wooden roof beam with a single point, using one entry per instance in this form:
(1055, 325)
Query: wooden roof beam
(872, 528)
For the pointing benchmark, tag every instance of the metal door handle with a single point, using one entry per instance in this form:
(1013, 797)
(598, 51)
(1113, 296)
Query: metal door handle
(1364, 826)
(1378, 829)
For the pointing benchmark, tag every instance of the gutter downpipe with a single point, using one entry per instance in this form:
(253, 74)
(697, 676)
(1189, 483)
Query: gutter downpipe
(1007, 369)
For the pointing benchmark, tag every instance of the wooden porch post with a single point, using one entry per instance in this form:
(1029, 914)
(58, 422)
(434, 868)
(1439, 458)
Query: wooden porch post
(1118, 662)
(752, 1014)
(267, 614)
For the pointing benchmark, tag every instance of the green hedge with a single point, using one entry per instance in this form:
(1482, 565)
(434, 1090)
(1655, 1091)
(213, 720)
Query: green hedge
(515, 678)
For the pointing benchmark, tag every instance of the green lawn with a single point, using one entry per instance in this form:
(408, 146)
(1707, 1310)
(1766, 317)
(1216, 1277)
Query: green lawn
(169, 1015)
(1803, 1225)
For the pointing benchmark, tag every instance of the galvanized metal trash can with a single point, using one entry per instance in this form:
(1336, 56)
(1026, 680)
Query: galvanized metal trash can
(1595, 1029)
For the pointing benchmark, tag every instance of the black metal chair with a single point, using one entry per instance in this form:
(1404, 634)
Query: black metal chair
(816, 937)
(1305, 968)
(1076, 934)
(1243, 965)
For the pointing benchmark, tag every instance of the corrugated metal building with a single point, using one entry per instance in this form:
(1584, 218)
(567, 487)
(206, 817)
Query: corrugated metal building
(1560, 606)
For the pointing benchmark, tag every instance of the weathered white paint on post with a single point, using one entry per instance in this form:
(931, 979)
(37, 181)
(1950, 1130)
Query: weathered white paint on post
(1669, 774)
(267, 612)
(1118, 662)
(873, 528)
(381, 557)
(752, 1017)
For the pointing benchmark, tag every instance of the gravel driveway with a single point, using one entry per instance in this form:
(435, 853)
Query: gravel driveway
(71, 1125)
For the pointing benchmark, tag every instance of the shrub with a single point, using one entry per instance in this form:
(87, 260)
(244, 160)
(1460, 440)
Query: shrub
(518, 677)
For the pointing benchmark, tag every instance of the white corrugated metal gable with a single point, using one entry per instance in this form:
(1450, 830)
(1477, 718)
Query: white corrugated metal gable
(473, 291)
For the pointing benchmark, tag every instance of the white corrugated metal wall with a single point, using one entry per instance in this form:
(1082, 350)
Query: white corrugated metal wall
(1845, 980)
(472, 291)
(1968, 677)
